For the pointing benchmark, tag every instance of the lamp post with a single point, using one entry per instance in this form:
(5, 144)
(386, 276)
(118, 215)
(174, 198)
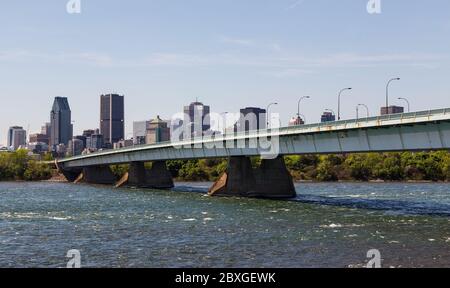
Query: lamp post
(339, 101)
(299, 101)
(387, 90)
(357, 110)
(407, 102)
(268, 115)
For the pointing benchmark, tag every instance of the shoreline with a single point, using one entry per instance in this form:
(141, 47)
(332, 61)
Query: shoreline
(62, 180)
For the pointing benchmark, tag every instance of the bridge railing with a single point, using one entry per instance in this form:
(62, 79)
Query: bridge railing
(308, 128)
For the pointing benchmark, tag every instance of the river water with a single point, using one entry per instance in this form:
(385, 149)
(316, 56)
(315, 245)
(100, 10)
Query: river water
(328, 225)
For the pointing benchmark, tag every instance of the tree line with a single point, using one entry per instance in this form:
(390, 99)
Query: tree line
(405, 166)
(18, 165)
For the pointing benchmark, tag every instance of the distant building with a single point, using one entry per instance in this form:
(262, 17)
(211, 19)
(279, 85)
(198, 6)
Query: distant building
(75, 147)
(95, 142)
(37, 147)
(60, 150)
(46, 130)
(328, 117)
(157, 131)
(60, 122)
(123, 144)
(112, 120)
(392, 110)
(296, 121)
(82, 138)
(140, 132)
(39, 138)
(252, 118)
(89, 133)
(17, 137)
(197, 119)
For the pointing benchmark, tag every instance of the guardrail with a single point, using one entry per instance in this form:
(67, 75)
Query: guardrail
(376, 121)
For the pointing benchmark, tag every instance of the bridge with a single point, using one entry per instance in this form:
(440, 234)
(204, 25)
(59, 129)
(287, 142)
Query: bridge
(417, 131)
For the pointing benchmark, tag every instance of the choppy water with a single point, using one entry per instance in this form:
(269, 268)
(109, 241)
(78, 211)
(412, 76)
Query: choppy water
(328, 225)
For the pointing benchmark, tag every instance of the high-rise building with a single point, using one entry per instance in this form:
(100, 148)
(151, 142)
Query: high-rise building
(252, 118)
(112, 120)
(61, 128)
(17, 137)
(197, 118)
(157, 131)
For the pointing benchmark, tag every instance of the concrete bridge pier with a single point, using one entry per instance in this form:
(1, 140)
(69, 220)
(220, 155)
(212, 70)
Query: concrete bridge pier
(274, 179)
(270, 180)
(97, 175)
(158, 177)
(70, 174)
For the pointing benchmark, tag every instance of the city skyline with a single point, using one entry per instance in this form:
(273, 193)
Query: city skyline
(247, 55)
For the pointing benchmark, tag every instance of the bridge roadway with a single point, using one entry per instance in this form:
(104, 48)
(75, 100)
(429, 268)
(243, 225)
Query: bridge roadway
(417, 131)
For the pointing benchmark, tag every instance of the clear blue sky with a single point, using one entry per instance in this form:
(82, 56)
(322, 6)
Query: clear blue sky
(162, 54)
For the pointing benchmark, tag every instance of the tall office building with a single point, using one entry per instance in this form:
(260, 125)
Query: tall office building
(112, 122)
(197, 118)
(61, 128)
(17, 137)
(252, 118)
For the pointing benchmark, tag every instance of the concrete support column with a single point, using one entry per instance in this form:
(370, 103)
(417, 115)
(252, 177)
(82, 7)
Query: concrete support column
(271, 180)
(70, 174)
(137, 174)
(274, 179)
(159, 177)
(238, 180)
(98, 175)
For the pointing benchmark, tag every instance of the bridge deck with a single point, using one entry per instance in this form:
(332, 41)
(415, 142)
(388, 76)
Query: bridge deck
(362, 124)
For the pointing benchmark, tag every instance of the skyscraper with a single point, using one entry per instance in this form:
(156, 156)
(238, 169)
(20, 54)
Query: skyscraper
(252, 118)
(112, 122)
(197, 118)
(17, 137)
(61, 128)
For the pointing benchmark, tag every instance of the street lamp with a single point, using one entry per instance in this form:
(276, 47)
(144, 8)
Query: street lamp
(267, 111)
(407, 102)
(299, 101)
(339, 101)
(357, 110)
(387, 90)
